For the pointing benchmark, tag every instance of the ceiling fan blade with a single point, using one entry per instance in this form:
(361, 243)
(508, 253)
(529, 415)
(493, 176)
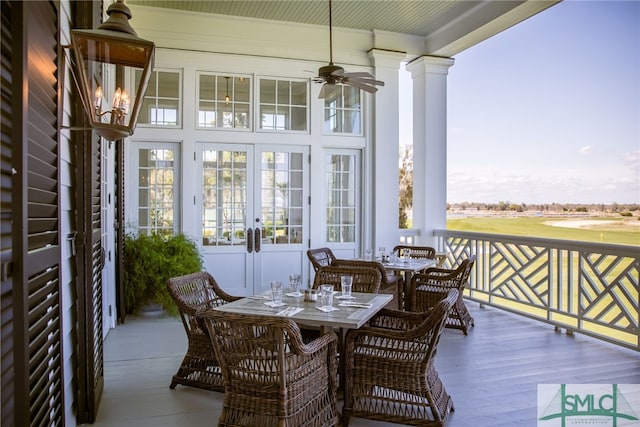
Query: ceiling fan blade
(367, 81)
(360, 74)
(361, 85)
(322, 90)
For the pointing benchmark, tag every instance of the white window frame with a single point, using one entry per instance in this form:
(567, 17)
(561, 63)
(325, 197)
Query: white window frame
(327, 130)
(180, 99)
(232, 101)
(132, 201)
(276, 105)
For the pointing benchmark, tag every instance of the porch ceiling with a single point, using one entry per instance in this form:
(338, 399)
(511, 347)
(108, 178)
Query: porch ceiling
(447, 27)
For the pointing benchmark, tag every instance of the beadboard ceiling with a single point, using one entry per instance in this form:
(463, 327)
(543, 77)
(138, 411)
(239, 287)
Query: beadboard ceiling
(419, 18)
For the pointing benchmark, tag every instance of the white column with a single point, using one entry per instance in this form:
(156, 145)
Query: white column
(429, 145)
(385, 198)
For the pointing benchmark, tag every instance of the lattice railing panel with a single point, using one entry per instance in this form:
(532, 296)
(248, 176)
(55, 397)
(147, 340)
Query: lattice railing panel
(581, 286)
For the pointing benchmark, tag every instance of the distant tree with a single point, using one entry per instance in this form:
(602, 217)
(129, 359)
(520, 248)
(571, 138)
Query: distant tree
(406, 185)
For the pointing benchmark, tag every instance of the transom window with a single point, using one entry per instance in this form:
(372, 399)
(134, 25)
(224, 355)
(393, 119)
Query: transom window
(162, 101)
(224, 101)
(342, 110)
(283, 105)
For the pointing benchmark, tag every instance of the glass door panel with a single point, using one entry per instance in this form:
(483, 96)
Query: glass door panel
(224, 199)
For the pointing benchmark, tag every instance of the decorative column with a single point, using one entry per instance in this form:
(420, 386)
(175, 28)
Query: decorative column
(385, 152)
(429, 145)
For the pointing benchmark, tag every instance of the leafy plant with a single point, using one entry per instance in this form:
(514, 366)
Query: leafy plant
(149, 261)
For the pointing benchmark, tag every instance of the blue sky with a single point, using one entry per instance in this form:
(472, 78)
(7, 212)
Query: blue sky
(549, 110)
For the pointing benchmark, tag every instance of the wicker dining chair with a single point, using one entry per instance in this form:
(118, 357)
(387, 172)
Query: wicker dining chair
(320, 257)
(392, 283)
(429, 287)
(192, 292)
(365, 278)
(390, 370)
(426, 252)
(271, 377)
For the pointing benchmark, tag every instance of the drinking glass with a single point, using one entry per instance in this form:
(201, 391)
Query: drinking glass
(383, 253)
(276, 292)
(294, 282)
(346, 283)
(326, 295)
(367, 254)
(405, 254)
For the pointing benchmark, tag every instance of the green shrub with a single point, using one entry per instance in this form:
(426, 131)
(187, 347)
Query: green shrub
(149, 261)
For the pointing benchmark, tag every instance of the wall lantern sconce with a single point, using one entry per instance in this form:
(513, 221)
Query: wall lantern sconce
(115, 46)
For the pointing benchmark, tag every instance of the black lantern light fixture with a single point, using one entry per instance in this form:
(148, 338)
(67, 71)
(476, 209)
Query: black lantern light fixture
(115, 50)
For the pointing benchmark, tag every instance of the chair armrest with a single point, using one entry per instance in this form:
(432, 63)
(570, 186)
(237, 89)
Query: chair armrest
(396, 320)
(328, 339)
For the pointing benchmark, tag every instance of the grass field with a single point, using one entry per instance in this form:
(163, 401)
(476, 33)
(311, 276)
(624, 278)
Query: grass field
(625, 231)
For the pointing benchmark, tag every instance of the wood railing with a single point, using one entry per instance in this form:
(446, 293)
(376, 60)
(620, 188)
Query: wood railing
(591, 288)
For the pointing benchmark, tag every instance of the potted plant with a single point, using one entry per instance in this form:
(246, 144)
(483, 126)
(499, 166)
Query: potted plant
(149, 261)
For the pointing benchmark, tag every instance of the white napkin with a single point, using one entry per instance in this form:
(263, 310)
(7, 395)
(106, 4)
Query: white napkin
(295, 294)
(290, 311)
(326, 309)
(273, 304)
(355, 304)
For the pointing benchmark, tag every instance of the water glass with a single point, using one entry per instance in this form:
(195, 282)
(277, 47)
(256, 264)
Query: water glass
(276, 292)
(367, 254)
(326, 295)
(382, 251)
(345, 284)
(405, 254)
(294, 282)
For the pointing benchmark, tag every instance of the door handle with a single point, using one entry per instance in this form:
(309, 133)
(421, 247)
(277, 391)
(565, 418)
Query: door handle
(249, 240)
(257, 240)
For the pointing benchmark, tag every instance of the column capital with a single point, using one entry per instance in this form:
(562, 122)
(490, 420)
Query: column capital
(429, 65)
(386, 58)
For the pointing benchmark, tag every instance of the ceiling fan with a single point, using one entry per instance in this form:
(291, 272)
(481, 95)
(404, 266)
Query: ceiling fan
(331, 75)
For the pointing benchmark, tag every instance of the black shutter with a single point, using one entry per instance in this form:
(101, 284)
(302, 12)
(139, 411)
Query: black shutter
(35, 352)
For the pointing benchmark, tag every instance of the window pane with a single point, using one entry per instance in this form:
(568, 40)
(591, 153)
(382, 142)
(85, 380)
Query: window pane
(267, 91)
(342, 113)
(277, 101)
(283, 91)
(351, 97)
(298, 118)
(168, 85)
(299, 93)
(156, 191)
(161, 104)
(282, 197)
(224, 182)
(341, 198)
(224, 102)
(207, 88)
(241, 89)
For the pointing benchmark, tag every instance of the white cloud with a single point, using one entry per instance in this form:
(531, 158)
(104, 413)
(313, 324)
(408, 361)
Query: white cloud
(585, 151)
(632, 159)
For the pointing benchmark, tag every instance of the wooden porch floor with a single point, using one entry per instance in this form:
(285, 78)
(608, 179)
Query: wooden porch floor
(492, 374)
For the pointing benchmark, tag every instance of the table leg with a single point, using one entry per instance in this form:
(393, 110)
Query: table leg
(406, 294)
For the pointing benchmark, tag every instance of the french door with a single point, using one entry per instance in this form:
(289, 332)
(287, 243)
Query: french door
(254, 213)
